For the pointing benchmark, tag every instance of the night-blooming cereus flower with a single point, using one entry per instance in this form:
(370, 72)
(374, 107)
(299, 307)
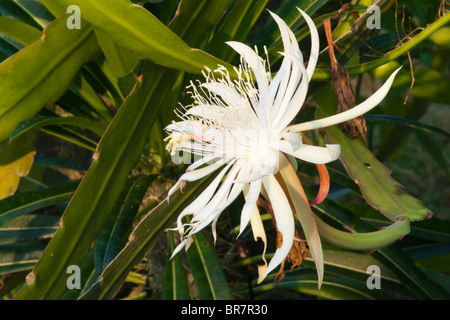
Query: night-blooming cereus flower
(241, 130)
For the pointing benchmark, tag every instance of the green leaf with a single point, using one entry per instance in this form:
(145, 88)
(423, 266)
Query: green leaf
(72, 135)
(19, 256)
(53, 61)
(28, 228)
(379, 189)
(175, 286)
(39, 121)
(36, 11)
(121, 61)
(105, 233)
(236, 27)
(117, 153)
(16, 159)
(397, 261)
(406, 122)
(196, 20)
(431, 85)
(12, 10)
(19, 31)
(125, 218)
(128, 25)
(207, 270)
(434, 256)
(324, 74)
(333, 287)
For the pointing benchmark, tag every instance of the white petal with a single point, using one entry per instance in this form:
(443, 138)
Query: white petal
(259, 71)
(251, 196)
(318, 155)
(288, 77)
(203, 199)
(202, 161)
(284, 219)
(293, 103)
(214, 229)
(314, 55)
(178, 248)
(295, 139)
(259, 232)
(352, 113)
(195, 175)
(220, 200)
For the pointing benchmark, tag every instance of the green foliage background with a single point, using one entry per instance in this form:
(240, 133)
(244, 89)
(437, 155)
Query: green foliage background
(84, 171)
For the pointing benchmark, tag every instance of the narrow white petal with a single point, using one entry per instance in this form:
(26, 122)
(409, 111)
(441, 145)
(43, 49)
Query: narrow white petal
(287, 78)
(284, 219)
(205, 160)
(251, 195)
(255, 63)
(259, 233)
(314, 55)
(352, 113)
(204, 198)
(214, 229)
(318, 155)
(295, 139)
(294, 101)
(178, 248)
(195, 175)
(218, 202)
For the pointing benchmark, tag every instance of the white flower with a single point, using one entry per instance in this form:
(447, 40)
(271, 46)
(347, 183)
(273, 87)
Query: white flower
(242, 131)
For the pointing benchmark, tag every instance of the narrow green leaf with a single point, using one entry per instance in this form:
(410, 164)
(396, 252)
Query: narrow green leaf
(207, 270)
(142, 239)
(105, 233)
(28, 228)
(392, 256)
(324, 74)
(13, 10)
(124, 222)
(236, 27)
(175, 286)
(36, 11)
(121, 60)
(117, 153)
(196, 20)
(19, 31)
(54, 60)
(128, 25)
(72, 135)
(19, 256)
(41, 121)
(333, 287)
(435, 256)
(406, 122)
